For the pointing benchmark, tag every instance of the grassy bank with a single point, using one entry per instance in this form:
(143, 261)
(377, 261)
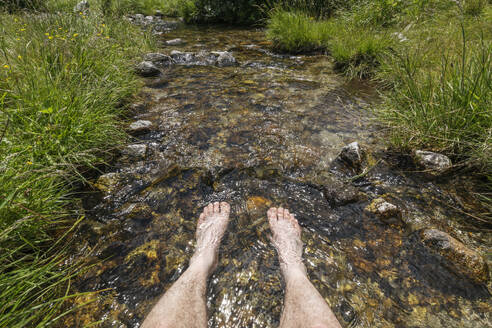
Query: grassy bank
(63, 81)
(432, 59)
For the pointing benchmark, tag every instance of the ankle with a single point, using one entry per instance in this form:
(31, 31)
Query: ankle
(292, 272)
(204, 262)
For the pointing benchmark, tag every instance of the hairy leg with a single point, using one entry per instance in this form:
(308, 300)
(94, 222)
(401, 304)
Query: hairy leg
(303, 306)
(184, 305)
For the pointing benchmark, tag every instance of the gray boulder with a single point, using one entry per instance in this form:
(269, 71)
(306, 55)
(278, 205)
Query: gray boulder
(147, 69)
(436, 163)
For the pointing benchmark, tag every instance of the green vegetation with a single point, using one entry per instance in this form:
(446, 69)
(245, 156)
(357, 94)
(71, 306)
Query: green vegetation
(60, 103)
(433, 59)
(355, 49)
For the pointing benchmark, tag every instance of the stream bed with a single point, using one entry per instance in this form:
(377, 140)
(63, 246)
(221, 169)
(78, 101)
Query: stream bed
(268, 132)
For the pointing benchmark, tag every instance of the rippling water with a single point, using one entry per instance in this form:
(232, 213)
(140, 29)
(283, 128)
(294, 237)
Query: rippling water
(265, 133)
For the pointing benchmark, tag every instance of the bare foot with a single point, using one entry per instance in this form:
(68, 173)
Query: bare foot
(287, 240)
(211, 227)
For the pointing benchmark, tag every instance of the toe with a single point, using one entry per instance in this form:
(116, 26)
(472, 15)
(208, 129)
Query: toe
(280, 213)
(225, 208)
(201, 218)
(216, 207)
(210, 209)
(272, 215)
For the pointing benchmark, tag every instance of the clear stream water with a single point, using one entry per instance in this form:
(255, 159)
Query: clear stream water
(266, 133)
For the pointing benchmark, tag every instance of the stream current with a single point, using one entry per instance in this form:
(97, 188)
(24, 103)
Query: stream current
(267, 133)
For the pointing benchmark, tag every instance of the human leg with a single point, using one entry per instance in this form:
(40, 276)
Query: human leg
(303, 306)
(184, 305)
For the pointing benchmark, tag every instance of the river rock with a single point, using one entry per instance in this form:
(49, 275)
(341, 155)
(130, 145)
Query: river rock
(435, 162)
(183, 57)
(135, 151)
(164, 26)
(338, 193)
(158, 13)
(158, 59)
(108, 183)
(138, 212)
(174, 42)
(140, 126)
(384, 210)
(352, 154)
(147, 69)
(459, 258)
(225, 59)
(81, 7)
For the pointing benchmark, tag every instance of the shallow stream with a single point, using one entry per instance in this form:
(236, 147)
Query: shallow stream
(260, 134)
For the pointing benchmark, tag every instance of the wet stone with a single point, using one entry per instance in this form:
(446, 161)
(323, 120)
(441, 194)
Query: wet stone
(436, 163)
(140, 126)
(135, 151)
(139, 212)
(384, 210)
(225, 59)
(108, 182)
(174, 42)
(352, 154)
(339, 193)
(158, 59)
(461, 259)
(147, 69)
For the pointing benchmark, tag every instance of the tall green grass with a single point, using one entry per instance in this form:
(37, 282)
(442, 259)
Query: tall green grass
(63, 81)
(355, 49)
(446, 108)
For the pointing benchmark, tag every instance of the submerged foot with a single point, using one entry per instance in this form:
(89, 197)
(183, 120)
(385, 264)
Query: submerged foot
(287, 240)
(211, 227)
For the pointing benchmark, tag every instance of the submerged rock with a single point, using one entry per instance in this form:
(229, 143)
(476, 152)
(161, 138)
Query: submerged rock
(435, 162)
(147, 69)
(384, 210)
(81, 7)
(158, 59)
(339, 193)
(138, 212)
(140, 126)
(174, 42)
(108, 183)
(225, 59)
(217, 58)
(352, 154)
(460, 259)
(164, 26)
